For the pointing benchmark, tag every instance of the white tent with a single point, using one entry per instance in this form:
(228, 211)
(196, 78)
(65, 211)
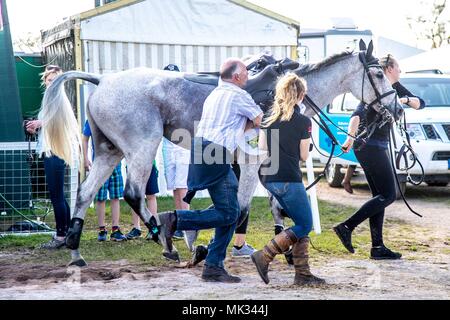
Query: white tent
(196, 35)
(436, 59)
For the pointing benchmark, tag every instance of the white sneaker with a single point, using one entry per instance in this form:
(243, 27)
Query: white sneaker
(243, 252)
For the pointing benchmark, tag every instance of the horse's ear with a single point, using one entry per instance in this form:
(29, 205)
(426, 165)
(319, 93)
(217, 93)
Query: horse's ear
(370, 49)
(362, 45)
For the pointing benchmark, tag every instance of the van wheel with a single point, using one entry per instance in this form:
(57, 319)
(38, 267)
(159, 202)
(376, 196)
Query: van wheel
(334, 176)
(402, 188)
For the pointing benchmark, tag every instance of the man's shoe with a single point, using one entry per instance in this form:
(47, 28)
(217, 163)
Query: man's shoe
(244, 252)
(178, 235)
(102, 235)
(117, 236)
(345, 235)
(190, 236)
(133, 234)
(217, 274)
(383, 253)
(53, 244)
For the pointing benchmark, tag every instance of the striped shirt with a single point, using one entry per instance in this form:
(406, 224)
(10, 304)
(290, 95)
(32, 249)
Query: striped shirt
(225, 114)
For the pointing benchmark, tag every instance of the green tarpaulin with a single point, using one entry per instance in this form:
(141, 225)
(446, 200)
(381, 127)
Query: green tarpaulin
(10, 109)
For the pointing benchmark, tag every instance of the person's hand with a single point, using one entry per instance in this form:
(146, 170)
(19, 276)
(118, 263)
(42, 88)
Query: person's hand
(33, 125)
(348, 144)
(249, 125)
(87, 164)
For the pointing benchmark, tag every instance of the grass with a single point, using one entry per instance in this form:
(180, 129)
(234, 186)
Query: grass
(140, 251)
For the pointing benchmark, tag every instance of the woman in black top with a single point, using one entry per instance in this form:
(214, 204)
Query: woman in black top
(374, 159)
(288, 140)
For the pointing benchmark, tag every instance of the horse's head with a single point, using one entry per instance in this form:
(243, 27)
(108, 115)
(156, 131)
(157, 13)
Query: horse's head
(375, 89)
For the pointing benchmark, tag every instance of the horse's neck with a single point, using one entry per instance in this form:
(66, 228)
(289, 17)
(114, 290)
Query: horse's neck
(327, 84)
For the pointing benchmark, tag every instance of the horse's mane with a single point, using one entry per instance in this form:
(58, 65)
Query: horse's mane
(314, 67)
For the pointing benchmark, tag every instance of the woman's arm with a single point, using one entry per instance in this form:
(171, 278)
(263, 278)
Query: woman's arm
(85, 143)
(407, 97)
(413, 102)
(352, 130)
(304, 149)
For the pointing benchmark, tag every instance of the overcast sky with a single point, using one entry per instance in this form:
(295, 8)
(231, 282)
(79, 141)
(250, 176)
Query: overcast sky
(384, 17)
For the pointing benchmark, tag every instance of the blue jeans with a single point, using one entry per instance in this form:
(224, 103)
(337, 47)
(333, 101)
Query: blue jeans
(292, 197)
(223, 217)
(54, 174)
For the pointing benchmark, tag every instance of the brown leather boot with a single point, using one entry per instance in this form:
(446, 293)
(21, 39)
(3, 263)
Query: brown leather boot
(279, 244)
(303, 275)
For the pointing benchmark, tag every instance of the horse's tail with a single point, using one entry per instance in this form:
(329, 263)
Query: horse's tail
(60, 132)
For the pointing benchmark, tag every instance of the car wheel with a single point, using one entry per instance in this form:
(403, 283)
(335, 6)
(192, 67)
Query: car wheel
(334, 176)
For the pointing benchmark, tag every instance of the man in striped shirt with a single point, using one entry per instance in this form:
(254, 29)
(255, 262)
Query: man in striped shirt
(227, 112)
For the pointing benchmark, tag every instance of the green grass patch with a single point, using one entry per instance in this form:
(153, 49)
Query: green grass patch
(140, 251)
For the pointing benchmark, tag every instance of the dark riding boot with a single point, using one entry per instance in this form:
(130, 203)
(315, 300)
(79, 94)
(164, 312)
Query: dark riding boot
(345, 235)
(168, 225)
(383, 253)
(279, 244)
(303, 275)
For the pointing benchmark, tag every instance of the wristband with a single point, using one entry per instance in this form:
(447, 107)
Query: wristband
(407, 99)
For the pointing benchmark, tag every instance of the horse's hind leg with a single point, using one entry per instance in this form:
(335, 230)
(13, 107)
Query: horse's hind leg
(139, 161)
(106, 159)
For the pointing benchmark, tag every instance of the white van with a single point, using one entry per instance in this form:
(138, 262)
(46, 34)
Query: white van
(428, 128)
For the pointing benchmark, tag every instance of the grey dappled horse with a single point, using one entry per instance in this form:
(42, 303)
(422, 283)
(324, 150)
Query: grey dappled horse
(131, 111)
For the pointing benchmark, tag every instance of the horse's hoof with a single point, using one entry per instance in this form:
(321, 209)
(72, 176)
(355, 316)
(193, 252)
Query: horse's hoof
(173, 256)
(199, 254)
(78, 263)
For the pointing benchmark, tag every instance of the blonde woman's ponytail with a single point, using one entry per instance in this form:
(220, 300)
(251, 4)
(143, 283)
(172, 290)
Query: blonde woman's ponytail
(289, 90)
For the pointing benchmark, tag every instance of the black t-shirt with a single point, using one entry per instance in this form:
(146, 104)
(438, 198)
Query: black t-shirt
(286, 136)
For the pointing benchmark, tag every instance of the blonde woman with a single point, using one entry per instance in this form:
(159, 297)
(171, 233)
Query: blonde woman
(287, 141)
(54, 173)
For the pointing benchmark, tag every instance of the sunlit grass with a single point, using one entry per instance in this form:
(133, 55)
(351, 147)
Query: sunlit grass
(141, 251)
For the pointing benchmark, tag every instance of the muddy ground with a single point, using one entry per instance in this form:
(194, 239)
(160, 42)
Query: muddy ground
(421, 274)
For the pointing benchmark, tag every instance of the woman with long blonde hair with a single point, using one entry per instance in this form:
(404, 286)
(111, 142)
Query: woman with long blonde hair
(287, 141)
(54, 166)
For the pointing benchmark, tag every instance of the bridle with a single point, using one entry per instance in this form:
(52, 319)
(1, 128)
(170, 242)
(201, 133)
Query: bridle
(376, 104)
